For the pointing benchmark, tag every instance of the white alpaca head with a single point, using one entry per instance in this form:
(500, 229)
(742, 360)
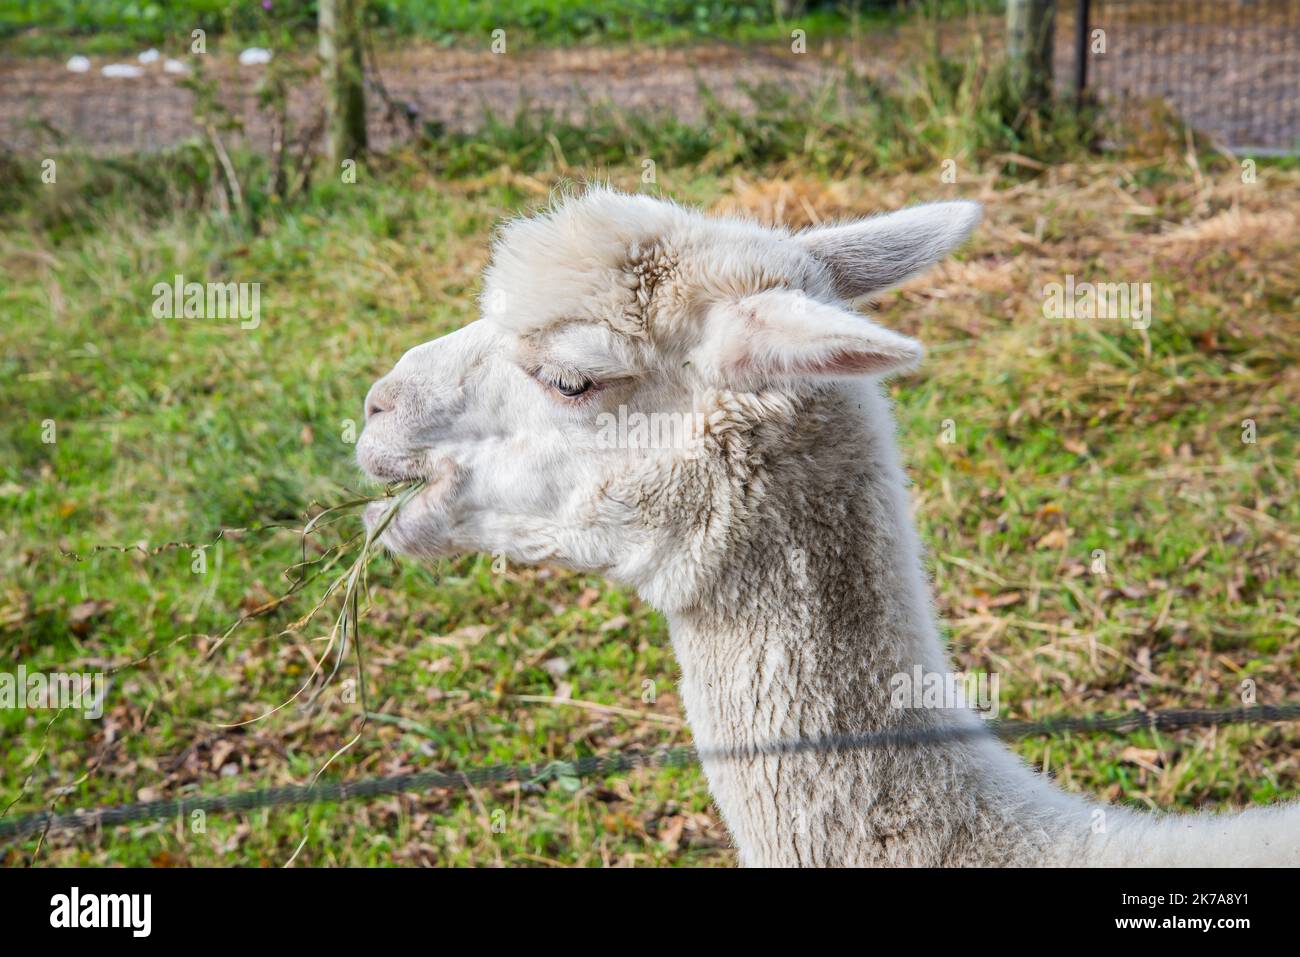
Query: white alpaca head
(605, 311)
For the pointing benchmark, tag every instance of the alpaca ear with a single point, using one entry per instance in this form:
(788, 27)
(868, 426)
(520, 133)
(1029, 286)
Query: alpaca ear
(784, 334)
(872, 255)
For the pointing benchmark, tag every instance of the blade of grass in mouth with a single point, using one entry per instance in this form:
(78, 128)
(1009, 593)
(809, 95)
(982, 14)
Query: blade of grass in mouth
(352, 582)
(300, 575)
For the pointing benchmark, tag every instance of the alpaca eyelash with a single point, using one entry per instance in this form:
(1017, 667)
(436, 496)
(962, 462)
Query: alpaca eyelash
(571, 382)
(561, 381)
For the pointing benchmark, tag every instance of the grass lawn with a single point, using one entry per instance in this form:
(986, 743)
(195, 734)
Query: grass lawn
(1099, 533)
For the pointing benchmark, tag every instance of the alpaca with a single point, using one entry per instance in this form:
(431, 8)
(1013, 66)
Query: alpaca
(772, 528)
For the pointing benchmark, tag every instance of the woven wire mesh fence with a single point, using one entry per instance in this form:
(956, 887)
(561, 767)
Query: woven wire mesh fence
(414, 84)
(1230, 68)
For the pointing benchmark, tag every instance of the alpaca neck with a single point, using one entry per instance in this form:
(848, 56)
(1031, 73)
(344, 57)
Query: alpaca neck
(822, 603)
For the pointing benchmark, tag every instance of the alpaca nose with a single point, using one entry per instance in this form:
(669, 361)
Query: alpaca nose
(379, 399)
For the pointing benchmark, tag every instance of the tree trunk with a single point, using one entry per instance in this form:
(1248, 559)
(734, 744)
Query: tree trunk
(1031, 29)
(344, 78)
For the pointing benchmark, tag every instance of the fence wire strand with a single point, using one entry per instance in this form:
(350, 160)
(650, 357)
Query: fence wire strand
(622, 761)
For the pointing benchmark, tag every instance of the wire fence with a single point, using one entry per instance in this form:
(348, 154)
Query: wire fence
(1230, 68)
(41, 822)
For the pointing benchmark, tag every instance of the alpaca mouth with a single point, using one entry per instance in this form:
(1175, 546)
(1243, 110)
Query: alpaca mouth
(440, 485)
(390, 467)
(385, 468)
(375, 511)
(396, 528)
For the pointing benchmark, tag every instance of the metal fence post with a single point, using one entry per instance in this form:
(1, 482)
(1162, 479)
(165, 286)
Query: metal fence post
(1082, 9)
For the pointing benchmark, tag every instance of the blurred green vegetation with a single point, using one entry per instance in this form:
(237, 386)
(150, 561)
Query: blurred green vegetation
(62, 27)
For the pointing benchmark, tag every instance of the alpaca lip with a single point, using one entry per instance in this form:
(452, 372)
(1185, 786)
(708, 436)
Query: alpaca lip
(381, 505)
(375, 511)
(439, 487)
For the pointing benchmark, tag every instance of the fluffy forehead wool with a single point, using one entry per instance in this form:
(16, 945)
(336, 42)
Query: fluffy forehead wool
(631, 262)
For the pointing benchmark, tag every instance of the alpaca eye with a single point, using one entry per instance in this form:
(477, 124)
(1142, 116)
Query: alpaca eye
(572, 391)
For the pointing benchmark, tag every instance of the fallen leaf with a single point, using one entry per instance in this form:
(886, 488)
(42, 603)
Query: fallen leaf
(462, 637)
(670, 835)
(1005, 599)
(1056, 538)
(555, 667)
(1148, 758)
(83, 614)
(256, 598)
(220, 751)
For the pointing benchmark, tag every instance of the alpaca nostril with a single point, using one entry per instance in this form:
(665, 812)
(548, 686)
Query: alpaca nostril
(379, 400)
